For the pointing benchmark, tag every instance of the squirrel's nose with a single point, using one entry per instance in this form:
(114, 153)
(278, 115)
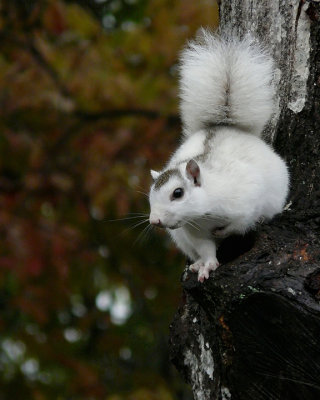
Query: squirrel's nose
(156, 222)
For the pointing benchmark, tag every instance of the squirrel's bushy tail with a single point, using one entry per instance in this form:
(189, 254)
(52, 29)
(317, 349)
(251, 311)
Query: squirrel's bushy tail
(225, 82)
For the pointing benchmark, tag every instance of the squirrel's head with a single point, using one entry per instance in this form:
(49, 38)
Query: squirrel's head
(174, 196)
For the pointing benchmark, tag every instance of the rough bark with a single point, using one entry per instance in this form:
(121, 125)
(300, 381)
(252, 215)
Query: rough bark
(252, 330)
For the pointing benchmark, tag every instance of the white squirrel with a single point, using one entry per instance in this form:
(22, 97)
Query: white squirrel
(223, 178)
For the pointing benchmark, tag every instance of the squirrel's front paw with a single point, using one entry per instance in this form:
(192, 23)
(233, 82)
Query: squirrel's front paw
(196, 266)
(206, 268)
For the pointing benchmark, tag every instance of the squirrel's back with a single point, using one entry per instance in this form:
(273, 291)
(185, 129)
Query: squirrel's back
(225, 81)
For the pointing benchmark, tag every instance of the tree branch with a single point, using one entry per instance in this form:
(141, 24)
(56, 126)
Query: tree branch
(126, 112)
(40, 59)
(47, 68)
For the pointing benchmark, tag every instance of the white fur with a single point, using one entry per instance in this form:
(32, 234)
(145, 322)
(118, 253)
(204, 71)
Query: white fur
(154, 174)
(242, 180)
(225, 81)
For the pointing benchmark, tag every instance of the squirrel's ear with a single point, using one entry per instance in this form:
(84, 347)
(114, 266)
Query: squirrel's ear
(193, 172)
(154, 174)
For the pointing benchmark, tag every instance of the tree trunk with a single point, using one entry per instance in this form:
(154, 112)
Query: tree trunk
(252, 330)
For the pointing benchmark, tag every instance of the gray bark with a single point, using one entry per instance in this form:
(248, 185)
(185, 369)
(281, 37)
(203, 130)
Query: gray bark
(284, 27)
(252, 331)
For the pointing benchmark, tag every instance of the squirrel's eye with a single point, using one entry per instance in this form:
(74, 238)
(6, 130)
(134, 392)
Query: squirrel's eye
(177, 193)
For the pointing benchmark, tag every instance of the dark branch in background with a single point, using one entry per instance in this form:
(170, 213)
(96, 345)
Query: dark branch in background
(96, 8)
(125, 11)
(46, 67)
(172, 119)
(30, 47)
(83, 116)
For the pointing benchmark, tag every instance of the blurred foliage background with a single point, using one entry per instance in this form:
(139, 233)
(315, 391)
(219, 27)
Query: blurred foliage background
(88, 103)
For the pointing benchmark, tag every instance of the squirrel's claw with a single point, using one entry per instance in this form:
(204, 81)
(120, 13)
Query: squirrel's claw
(204, 270)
